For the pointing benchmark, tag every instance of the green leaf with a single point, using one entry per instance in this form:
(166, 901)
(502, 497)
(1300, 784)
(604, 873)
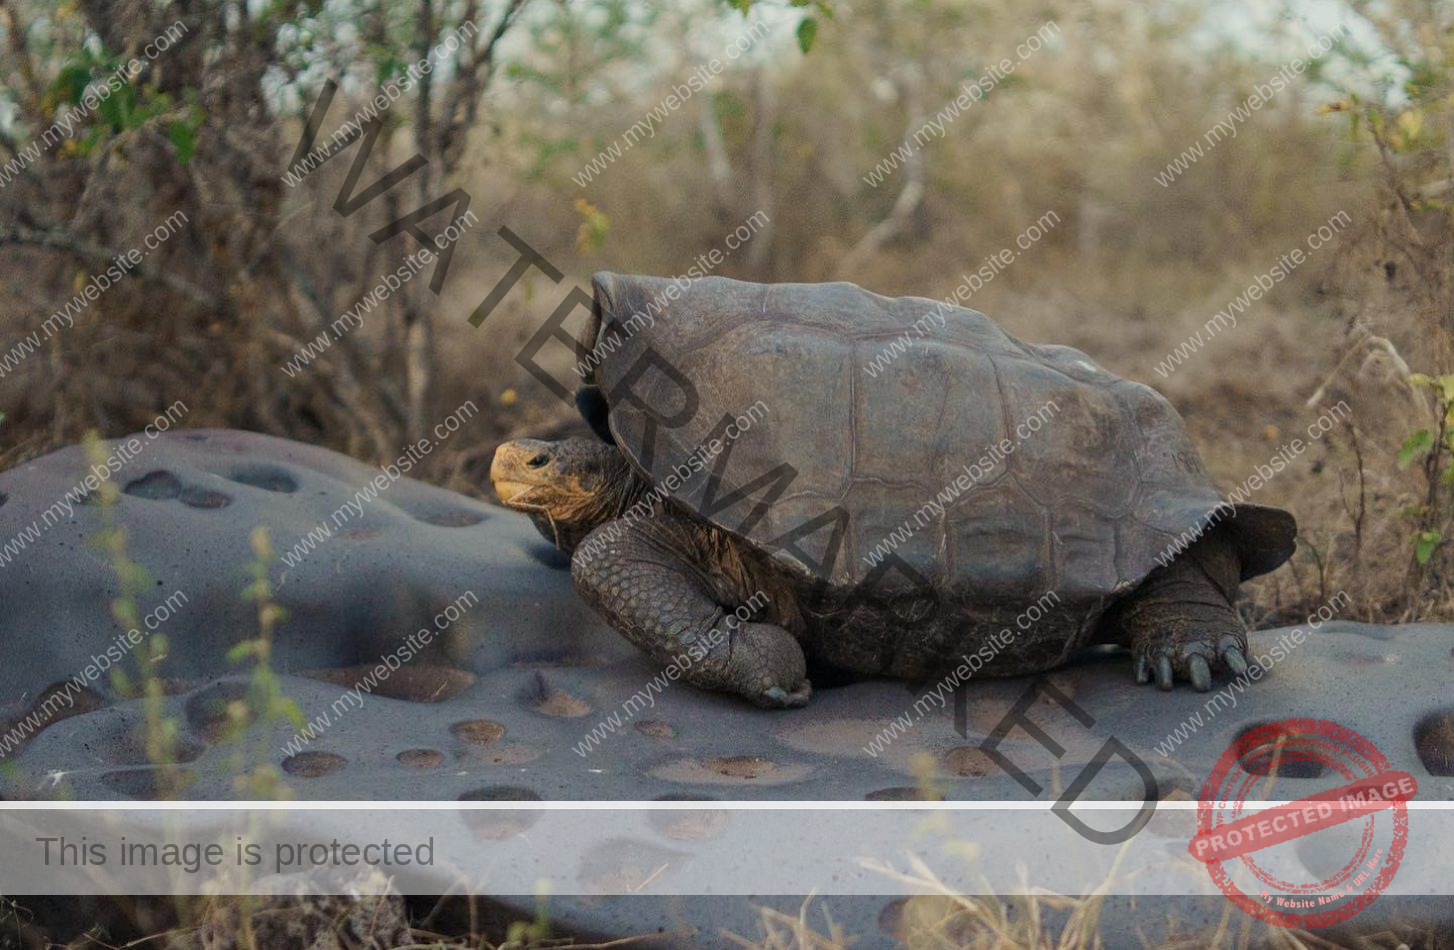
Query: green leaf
(241, 651)
(1417, 446)
(87, 143)
(292, 713)
(807, 33)
(112, 112)
(1424, 547)
(184, 137)
(389, 64)
(70, 83)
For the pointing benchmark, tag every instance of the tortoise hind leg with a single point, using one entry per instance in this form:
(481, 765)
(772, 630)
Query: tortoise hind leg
(1180, 623)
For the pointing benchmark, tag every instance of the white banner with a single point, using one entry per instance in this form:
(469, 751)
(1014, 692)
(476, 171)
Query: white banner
(689, 848)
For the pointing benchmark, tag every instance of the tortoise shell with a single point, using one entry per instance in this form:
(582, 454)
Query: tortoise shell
(1047, 471)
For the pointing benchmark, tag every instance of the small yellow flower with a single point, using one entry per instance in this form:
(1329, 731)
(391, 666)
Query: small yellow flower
(593, 228)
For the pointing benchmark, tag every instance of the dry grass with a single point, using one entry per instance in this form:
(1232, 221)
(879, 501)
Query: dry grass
(960, 922)
(926, 922)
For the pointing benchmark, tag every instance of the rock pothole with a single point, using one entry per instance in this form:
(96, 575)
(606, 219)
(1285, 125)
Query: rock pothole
(154, 486)
(266, 477)
(1273, 755)
(313, 764)
(412, 682)
(495, 825)
(478, 731)
(421, 758)
(1434, 742)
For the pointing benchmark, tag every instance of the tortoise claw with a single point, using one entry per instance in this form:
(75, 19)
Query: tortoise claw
(778, 698)
(1201, 673)
(1164, 678)
(1191, 659)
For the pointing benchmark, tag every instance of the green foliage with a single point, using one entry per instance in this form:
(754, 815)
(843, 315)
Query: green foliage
(161, 733)
(523, 934)
(1425, 543)
(1417, 446)
(1433, 450)
(807, 33)
(123, 106)
(824, 7)
(265, 706)
(182, 132)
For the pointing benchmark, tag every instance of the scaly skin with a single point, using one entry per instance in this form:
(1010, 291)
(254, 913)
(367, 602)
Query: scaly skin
(649, 578)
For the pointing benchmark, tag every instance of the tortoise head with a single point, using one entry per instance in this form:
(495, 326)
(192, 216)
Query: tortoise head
(567, 487)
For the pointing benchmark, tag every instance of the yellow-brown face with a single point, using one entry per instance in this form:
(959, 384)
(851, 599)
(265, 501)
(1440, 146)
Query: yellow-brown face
(567, 481)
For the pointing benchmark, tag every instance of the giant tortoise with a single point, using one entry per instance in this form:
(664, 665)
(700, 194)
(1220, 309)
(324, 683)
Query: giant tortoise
(776, 481)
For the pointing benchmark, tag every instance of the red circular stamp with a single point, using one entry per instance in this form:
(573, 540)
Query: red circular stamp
(1255, 847)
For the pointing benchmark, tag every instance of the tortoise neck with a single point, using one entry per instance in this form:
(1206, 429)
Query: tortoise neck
(629, 490)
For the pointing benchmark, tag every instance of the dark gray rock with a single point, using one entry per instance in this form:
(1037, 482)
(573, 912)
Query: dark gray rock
(498, 705)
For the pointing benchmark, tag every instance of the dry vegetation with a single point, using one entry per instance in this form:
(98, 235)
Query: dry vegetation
(1132, 270)
(932, 921)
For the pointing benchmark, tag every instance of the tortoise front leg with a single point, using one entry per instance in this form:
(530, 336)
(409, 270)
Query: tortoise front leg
(644, 578)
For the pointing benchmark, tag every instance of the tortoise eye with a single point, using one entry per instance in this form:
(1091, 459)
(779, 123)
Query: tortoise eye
(538, 461)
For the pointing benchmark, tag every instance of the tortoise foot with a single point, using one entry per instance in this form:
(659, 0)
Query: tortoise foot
(1190, 657)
